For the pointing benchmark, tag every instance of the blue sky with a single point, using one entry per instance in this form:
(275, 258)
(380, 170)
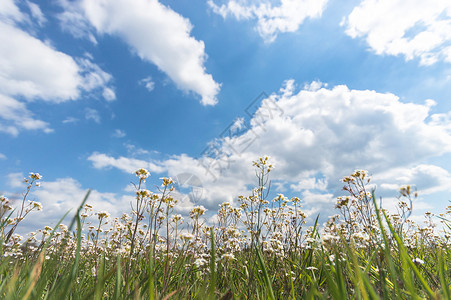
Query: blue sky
(91, 90)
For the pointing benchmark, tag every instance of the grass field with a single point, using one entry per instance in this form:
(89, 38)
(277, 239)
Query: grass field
(260, 249)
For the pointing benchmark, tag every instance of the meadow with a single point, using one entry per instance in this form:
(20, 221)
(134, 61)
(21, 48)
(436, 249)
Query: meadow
(260, 248)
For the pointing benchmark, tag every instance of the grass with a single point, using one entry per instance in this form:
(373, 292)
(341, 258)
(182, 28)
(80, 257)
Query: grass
(259, 250)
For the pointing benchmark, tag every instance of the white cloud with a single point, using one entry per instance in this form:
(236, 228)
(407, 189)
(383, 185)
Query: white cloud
(134, 151)
(128, 165)
(310, 183)
(215, 189)
(16, 180)
(36, 13)
(148, 83)
(272, 20)
(94, 77)
(47, 75)
(414, 29)
(315, 137)
(314, 86)
(119, 133)
(92, 114)
(76, 24)
(237, 125)
(317, 200)
(9, 10)
(109, 94)
(2, 156)
(70, 120)
(427, 179)
(156, 34)
(15, 116)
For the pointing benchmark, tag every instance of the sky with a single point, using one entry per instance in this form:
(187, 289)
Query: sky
(92, 90)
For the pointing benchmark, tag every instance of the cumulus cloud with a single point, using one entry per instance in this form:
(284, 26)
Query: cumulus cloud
(154, 32)
(272, 20)
(47, 75)
(310, 183)
(314, 137)
(9, 11)
(215, 189)
(427, 178)
(414, 29)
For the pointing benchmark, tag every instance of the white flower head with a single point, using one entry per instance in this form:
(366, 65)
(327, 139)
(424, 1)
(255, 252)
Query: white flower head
(227, 257)
(186, 236)
(200, 262)
(35, 176)
(142, 173)
(103, 214)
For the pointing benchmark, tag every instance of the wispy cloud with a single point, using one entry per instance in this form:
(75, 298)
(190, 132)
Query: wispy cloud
(70, 120)
(14, 116)
(272, 20)
(148, 83)
(92, 114)
(119, 133)
(16, 180)
(36, 13)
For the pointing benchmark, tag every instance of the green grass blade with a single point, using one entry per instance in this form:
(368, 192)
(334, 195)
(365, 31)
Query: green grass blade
(408, 259)
(212, 287)
(267, 281)
(442, 271)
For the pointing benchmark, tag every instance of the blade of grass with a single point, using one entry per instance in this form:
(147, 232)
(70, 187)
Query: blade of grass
(151, 279)
(355, 273)
(34, 275)
(267, 281)
(442, 271)
(409, 261)
(387, 255)
(65, 287)
(212, 287)
(340, 277)
(291, 284)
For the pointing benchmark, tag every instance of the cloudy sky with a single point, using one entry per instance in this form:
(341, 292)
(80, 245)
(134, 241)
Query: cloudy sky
(91, 90)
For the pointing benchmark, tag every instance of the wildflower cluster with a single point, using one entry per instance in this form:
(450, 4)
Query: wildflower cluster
(11, 216)
(259, 245)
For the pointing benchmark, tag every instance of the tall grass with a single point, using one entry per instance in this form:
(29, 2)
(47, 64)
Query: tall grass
(259, 250)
